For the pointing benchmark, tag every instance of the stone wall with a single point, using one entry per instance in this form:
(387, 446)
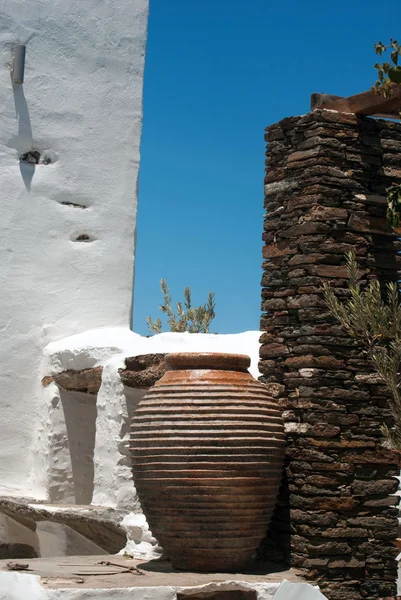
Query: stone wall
(325, 194)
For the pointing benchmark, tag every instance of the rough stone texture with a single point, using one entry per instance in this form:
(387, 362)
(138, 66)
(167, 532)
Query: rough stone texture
(84, 380)
(141, 372)
(326, 181)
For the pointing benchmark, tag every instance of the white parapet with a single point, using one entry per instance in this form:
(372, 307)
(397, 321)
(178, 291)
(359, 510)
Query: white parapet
(94, 347)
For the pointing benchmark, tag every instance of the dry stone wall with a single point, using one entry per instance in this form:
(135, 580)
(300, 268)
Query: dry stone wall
(326, 181)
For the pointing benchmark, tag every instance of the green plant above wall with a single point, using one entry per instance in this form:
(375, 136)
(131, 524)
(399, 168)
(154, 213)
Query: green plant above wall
(187, 317)
(388, 72)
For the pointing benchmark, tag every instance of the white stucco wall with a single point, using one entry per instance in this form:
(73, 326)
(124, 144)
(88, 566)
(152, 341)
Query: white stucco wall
(81, 103)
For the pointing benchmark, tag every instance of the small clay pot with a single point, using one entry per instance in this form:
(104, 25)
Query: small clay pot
(207, 443)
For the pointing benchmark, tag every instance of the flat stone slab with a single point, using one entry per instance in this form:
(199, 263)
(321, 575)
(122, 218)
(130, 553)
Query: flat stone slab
(98, 524)
(87, 572)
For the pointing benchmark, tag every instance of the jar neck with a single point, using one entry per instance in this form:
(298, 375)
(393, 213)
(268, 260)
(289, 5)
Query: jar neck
(208, 360)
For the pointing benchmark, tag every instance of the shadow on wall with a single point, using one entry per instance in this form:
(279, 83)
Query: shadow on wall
(132, 397)
(80, 421)
(24, 139)
(56, 539)
(73, 422)
(16, 540)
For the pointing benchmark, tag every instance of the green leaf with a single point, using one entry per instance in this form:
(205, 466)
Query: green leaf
(394, 57)
(395, 74)
(386, 67)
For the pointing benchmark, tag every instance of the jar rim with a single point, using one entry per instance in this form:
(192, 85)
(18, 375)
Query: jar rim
(208, 360)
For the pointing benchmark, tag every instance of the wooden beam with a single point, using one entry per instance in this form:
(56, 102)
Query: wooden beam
(366, 104)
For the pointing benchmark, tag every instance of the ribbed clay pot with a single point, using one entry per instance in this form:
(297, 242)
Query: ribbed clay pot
(207, 443)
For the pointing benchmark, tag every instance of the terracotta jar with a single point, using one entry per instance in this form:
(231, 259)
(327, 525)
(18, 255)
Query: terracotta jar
(207, 443)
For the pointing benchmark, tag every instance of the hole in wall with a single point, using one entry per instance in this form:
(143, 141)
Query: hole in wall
(34, 157)
(73, 204)
(83, 237)
(45, 159)
(72, 199)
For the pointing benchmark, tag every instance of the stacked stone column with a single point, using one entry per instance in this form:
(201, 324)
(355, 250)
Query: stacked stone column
(326, 181)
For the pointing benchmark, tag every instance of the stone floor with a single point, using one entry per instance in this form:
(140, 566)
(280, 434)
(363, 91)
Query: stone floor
(87, 572)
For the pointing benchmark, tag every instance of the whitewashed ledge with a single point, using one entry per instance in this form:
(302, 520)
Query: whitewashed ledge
(76, 363)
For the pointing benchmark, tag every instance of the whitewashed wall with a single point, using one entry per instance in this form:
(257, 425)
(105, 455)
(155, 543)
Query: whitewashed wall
(81, 105)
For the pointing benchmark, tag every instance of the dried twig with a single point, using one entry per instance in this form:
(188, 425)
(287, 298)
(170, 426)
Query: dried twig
(14, 566)
(126, 568)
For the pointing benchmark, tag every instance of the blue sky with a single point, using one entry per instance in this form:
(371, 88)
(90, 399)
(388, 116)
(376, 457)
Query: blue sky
(217, 73)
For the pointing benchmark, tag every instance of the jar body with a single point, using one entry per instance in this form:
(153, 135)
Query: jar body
(207, 443)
